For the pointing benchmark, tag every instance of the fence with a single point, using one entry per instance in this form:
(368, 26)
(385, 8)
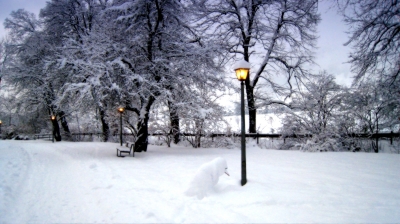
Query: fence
(43, 136)
(257, 136)
(390, 136)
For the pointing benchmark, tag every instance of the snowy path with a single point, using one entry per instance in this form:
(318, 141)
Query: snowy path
(46, 182)
(51, 179)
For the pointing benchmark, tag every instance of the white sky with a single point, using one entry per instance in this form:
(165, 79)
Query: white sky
(331, 54)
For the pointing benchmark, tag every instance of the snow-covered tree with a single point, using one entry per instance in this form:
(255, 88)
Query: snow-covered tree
(276, 37)
(85, 50)
(315, 111)
(161, 54)
(375, 58)
(26, 67)
(201, 114)
(373, 109)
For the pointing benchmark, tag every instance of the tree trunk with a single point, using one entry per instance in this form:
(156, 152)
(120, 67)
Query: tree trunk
(56, 130)
(251, 107)
(174, 119)
(143, 134)
(251, 103)
(142, 127)
(104, 125)
(199, 129)
(376, 149)
(64, 125)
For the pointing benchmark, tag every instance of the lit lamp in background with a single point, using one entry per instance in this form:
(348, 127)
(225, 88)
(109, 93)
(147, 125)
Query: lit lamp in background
(242, 69)
(121, 111)
(53, 118)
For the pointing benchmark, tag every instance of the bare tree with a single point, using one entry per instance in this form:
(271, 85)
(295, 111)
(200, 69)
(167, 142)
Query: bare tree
(276, 37)
(374, 30)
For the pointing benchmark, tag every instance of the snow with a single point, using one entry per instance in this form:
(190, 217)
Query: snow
(241, 64)
(70, 182)
(207, 177)
(203, 112)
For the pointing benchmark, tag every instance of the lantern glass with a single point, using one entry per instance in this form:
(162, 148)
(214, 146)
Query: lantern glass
(241, 73)
(53, 117)
(121, 109)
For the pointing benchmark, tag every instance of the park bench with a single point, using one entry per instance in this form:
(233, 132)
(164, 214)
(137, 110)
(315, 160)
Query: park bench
(126, 148)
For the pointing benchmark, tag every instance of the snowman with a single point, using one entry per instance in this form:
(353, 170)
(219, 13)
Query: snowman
(207, 177)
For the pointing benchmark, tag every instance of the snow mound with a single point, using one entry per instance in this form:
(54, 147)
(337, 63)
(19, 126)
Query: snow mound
(207, 177)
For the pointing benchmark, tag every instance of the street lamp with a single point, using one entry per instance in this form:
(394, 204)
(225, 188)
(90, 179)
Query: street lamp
(0, 126)
(120, 110)
(242, 69)
(53, 118)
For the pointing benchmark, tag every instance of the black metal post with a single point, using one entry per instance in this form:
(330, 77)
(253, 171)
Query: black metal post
(54, 131)
(120, 130)
(391, 136)
(243, 148)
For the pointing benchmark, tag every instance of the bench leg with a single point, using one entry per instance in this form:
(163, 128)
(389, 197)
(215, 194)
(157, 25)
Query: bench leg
(120, 155)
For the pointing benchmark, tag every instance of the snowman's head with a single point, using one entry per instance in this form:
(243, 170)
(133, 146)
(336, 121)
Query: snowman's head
(221, 166)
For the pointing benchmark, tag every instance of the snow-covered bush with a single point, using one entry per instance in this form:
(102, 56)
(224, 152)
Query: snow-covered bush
(270, 143)
(225, 142)
(317, 145)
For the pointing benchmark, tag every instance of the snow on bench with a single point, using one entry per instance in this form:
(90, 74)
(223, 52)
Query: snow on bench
(128, 149)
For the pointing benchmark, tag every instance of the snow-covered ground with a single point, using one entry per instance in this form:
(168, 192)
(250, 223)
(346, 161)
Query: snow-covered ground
(66, 182)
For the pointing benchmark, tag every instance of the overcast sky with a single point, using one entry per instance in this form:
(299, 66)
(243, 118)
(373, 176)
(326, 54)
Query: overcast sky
(331, 54)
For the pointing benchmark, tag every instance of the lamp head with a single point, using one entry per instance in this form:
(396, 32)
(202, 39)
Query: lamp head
(242, 69)
(121, 110)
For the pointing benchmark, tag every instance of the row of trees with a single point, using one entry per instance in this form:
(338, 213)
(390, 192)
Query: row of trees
(92, 56)
(99, 55)
(331, 113)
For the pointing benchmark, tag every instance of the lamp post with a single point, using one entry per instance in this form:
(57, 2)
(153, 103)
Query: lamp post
(120, 110)
(242, 69)
(53, 118)
(0, 126)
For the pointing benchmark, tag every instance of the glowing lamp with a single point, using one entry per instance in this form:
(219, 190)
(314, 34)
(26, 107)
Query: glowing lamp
(242, 69)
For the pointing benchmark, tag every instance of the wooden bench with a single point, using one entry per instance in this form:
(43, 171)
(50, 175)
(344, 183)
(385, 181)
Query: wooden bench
(128, 149)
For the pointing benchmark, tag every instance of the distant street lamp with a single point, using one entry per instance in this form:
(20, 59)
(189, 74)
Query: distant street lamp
(0, 126)
(121, 111)
(53, 118)
(242, 69)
